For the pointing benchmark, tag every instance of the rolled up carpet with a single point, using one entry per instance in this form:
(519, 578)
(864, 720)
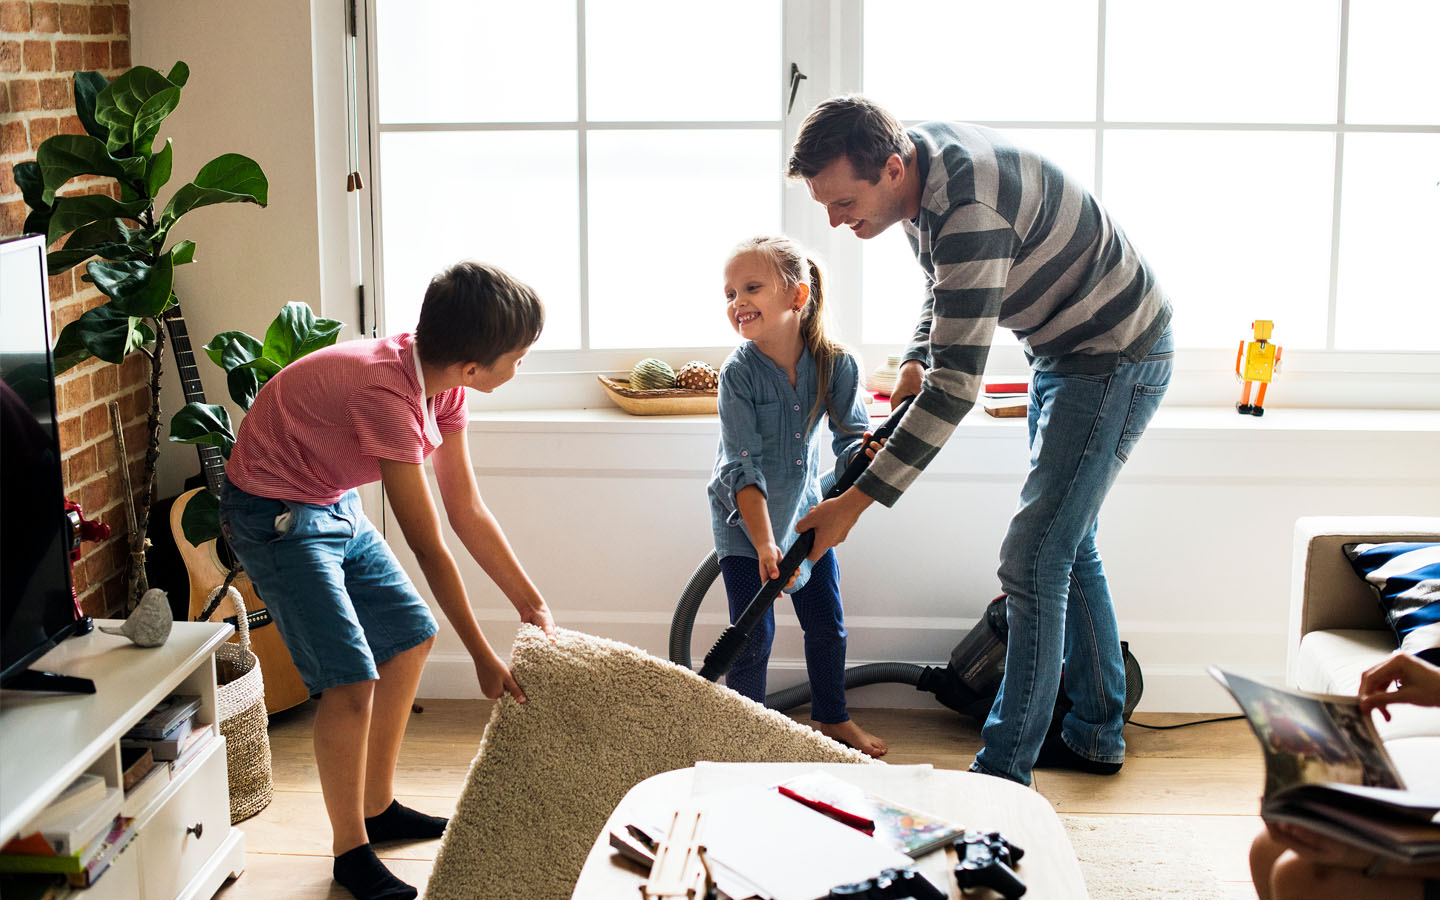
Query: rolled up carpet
(601, 717)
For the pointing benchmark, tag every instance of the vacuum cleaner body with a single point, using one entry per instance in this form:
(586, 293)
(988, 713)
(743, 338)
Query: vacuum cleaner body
(970, 682)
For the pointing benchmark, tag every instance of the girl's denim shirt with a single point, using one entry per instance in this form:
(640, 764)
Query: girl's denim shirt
(766, 439)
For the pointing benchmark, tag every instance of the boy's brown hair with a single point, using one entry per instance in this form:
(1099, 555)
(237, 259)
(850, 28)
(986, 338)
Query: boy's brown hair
(477, 313)
(852, 126)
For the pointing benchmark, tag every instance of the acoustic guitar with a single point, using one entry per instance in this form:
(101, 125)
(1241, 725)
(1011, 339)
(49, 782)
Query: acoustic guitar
(207, 564)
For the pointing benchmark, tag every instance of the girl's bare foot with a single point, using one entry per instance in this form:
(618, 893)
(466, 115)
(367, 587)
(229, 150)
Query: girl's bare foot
(848, 732)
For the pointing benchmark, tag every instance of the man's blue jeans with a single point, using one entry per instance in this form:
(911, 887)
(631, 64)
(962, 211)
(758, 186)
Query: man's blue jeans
(1082, 430)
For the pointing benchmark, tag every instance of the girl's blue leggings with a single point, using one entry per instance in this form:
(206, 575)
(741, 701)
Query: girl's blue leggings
(817, 605)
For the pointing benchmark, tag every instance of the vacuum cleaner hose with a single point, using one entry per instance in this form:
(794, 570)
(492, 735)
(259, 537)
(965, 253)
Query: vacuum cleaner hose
(683, 624)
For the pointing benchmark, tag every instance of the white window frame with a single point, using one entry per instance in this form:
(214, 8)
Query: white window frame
(824, 38)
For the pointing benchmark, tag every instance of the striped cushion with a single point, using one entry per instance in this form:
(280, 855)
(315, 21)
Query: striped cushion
(1406, 576)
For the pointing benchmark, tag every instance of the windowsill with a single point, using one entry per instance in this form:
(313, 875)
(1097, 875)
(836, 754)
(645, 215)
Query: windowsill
(1179, 419)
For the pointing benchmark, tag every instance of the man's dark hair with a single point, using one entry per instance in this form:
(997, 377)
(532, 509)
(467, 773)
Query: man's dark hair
(477, 313)
(851, 126)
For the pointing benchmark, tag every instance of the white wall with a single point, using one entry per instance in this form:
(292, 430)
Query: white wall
(253, 89)
(608, 514)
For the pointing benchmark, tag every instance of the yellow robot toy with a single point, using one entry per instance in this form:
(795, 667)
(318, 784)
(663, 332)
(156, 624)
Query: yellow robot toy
(1256, 361)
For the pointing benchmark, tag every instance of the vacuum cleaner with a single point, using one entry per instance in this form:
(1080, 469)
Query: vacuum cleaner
(967, 685)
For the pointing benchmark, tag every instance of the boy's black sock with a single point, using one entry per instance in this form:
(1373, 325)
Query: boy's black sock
(362, 873)
(1056, 754)
(401, 823)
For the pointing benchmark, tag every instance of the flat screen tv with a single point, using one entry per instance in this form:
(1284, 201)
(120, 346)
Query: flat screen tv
(37, 606)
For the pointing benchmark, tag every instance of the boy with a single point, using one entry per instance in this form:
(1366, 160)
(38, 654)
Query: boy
(359, 633)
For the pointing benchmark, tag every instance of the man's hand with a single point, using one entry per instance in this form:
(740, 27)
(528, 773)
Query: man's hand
(907, 381)
(1415, 681)
(495, 678)
(832, 520)
(541, 618)
(1317, 847)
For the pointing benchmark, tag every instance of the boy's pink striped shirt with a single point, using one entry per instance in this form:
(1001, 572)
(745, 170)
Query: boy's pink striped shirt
(322, 424)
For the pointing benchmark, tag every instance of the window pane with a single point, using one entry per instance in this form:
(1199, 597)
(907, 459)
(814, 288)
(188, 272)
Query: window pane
(1393, 70)
(1235, 224)
(662, 61)
(1389, 285)
(979, 60)
(1221, 61)
(478, 61)
(666, 207)
(892, 284)
(510, 198)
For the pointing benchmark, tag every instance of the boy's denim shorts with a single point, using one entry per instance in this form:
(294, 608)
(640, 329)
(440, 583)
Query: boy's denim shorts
(331, 583)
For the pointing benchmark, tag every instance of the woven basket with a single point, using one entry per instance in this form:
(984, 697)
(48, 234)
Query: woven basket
(660, 401)
(240, 699)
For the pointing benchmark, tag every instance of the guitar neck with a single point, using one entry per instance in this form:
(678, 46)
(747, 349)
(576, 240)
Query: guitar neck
(212, 461)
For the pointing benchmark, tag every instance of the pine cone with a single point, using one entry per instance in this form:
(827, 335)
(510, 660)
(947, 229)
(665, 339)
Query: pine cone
(697, 376)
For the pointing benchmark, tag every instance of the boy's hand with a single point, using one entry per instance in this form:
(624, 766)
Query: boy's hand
(1413, 679)
(495, 679)
(541, 618)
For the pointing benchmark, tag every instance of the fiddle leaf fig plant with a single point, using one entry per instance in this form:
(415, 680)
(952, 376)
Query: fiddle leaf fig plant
(127, 244)
(248, 364)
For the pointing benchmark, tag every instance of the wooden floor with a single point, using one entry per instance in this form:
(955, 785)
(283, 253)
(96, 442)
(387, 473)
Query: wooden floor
(1206, 779)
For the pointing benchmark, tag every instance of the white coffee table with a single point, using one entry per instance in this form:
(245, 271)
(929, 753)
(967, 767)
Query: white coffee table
(1049, 868)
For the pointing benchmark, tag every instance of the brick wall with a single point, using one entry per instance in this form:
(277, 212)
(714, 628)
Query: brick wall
(41, 45)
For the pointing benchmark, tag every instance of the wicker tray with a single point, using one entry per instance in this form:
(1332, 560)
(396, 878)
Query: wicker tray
(660, 402)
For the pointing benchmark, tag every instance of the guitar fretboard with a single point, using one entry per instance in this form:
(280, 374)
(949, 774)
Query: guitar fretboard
(212, 461)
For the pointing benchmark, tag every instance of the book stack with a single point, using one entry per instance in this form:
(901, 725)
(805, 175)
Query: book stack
(165, 729)
(77, 835)
(1006, 400)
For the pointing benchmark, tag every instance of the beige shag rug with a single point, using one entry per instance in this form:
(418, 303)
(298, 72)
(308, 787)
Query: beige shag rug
(601, 717)
(1134, 857)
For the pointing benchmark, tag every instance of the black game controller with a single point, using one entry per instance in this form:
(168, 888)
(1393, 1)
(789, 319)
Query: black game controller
(985, 861)
(891, 884)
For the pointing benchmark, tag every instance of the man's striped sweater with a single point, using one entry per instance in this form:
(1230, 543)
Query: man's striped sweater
(1006, 238)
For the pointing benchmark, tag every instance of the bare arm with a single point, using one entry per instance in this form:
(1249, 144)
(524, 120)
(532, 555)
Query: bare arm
(409, 496)
(481, 533)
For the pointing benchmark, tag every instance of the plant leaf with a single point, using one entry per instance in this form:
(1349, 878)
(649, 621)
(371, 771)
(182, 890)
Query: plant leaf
(179, 74)
(230, 178)
(64, 156)
(32, 188)
(203, 423)
(104, 238)
(296, 332)
(105, 332)
(72, 212)
(118, 105)
(183, 252)
(160, 167)
(149, 117)
(221, 343)
(200, 521)
(244, 384)
(88, 86)
(135, 287)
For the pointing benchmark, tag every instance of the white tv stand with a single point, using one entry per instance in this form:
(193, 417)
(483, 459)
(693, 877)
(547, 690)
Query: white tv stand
(184, 847)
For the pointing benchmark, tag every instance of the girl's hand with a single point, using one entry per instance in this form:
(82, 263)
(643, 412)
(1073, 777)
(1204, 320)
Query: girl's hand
(870, 445)
(769, 557)
(1413, 679)
(495, 678)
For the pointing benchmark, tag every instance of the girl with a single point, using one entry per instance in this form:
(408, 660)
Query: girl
(773, 390)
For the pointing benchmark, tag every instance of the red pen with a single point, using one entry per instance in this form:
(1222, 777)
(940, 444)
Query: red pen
(858, 822)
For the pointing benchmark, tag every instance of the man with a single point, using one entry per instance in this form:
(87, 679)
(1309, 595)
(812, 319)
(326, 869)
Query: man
(1006, 238)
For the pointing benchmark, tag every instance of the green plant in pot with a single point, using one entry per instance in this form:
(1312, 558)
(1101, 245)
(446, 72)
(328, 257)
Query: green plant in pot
(248, 364)
(128, 245)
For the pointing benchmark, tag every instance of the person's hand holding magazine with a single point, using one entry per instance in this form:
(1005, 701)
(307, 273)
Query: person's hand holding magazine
(1291, 861)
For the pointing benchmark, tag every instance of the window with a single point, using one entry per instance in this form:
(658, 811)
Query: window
(1272, 158)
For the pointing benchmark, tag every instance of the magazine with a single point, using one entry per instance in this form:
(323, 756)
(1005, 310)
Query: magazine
(1326, 769)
